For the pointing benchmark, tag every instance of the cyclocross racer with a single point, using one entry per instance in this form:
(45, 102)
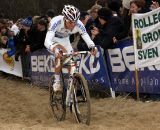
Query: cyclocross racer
(57, 37)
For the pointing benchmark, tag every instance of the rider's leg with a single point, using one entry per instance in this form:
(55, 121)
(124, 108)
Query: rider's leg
(64, 45)
(58, 67)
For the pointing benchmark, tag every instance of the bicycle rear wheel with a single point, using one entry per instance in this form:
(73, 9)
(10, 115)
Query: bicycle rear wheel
(81, 99)
(57, 100)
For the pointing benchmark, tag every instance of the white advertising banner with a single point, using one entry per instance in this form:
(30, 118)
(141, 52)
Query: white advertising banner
(9, 65)
(146, 36)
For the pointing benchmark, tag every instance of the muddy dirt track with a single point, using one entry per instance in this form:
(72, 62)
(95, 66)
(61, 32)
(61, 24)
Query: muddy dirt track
(26, 107)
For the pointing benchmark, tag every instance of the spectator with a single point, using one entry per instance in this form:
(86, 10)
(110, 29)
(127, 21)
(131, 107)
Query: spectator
(3, 33)
(37, 36)
(126, 4)
(110, 28)
(115, 6)
(102, 3)
(22, 38)
(35, 19)
(154, 5)
(88, 22)
(94, 13)
(17, 26)
(7, 56)
(9, 23)
(10, 43)
(50, 14)
(21, 41)
(136, 6)
(2, 23)
(3, 41)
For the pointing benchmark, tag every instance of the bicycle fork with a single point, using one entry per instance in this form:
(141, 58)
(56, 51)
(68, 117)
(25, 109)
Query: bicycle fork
(69, 97)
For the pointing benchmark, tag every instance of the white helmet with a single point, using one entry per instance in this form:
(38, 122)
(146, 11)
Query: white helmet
(71, 13)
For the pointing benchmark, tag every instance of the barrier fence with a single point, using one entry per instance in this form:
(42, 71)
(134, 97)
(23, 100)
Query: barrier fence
(114, 69)
(120, 62)
(93, 69)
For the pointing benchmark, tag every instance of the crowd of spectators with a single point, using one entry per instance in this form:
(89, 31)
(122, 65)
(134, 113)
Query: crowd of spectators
(24, 37)
(107, 22)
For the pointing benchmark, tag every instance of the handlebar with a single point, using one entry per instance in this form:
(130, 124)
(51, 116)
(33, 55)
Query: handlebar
(76, 53)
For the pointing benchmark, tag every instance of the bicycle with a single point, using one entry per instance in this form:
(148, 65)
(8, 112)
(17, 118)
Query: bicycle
(75, 94)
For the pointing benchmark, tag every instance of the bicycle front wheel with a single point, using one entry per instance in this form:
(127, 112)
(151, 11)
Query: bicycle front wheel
(81, 99)
(57, 100)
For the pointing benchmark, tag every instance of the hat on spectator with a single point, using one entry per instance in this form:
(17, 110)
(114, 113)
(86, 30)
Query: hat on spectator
(105, 13)
(27, 21)
(126, 3)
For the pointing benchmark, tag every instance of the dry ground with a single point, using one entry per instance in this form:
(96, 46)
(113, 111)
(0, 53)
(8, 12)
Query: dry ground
(24, 107)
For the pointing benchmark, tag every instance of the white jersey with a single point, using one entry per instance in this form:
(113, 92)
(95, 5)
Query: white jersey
(57, 33)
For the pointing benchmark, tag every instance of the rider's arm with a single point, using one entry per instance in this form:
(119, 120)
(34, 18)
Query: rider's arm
(85, 35)
(49, 40)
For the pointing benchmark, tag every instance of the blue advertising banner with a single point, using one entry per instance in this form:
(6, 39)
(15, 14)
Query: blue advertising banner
(93, 69)
(120, 61)
(41, 67)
